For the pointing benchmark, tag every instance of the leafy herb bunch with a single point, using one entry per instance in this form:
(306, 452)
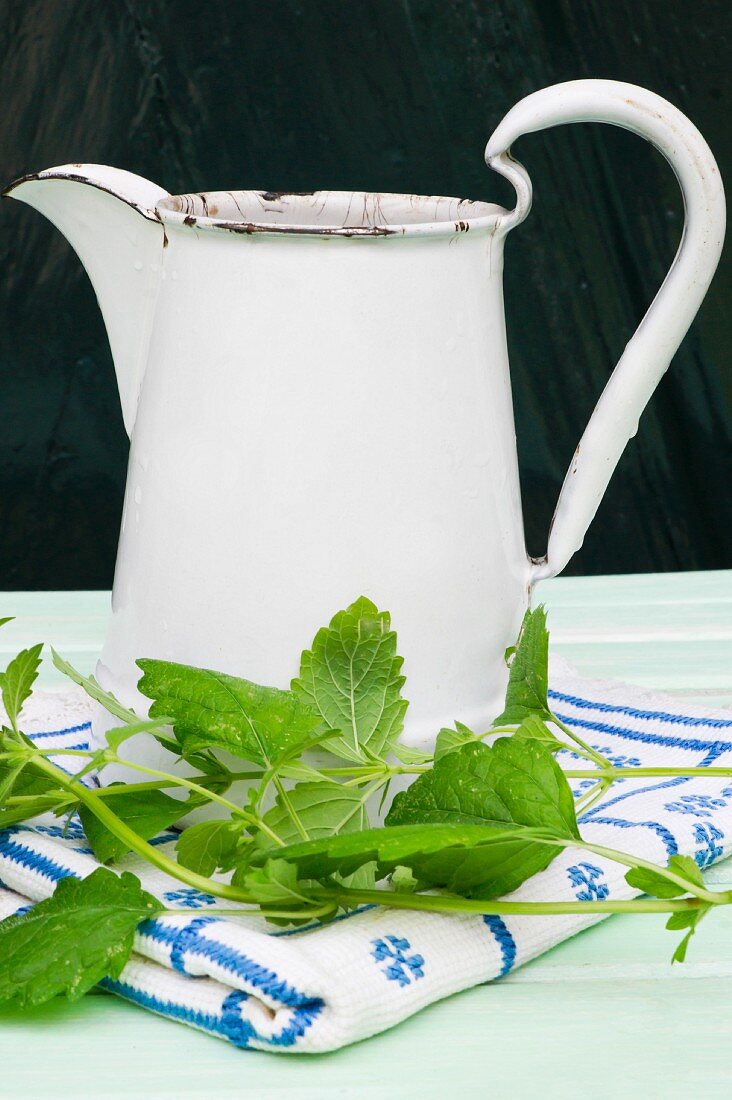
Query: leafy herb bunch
(482, 814)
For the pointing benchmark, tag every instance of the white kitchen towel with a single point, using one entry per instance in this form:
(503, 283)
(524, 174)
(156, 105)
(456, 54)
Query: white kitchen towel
(318, 989)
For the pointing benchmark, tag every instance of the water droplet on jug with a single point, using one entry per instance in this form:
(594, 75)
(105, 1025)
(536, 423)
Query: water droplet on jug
(138, 265)
(138, 495)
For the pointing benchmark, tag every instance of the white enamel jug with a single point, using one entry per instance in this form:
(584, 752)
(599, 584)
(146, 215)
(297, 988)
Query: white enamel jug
(317, 393)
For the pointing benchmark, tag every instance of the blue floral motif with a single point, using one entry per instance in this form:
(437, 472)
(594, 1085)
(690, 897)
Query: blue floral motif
(699, 805)
(190, 898)
(586, 876)
(401, 968)
(619, 759)
(707, 836)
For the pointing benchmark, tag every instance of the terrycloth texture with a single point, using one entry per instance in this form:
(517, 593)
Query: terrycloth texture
(319, 989)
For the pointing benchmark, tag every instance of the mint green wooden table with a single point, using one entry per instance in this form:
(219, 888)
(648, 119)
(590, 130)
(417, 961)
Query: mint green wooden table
(602, 1016)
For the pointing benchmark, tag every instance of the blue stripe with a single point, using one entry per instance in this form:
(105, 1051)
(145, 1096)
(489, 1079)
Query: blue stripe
(245, 968)
(230, 1024)
(205, 1020)
(227, 957)
(660, 830)
(603, 806)
(186, 938)
(237, 1030)
(648, 738)
(72, 748)
(63, 732)
(648, 715)
(505, 941)
(32, 861)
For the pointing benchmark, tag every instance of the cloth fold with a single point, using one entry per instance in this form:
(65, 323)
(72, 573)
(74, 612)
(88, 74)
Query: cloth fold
(319, 988)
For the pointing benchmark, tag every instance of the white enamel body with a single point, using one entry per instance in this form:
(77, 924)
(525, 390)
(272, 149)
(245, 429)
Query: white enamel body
(318, 396)
(322, 418)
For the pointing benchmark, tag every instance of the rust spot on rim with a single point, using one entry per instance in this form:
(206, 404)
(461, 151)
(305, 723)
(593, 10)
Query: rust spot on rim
(275, 196)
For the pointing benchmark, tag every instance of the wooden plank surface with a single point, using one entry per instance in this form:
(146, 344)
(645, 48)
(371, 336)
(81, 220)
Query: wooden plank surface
(603, 1014)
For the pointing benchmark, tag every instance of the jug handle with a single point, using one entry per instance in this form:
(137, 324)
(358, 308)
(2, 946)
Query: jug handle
(646, 357)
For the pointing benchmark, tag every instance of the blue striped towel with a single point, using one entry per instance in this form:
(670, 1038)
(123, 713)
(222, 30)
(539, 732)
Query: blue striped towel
(320, 988)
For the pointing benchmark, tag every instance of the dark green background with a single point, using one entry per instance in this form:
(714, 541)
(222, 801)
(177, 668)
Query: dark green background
(389, 95)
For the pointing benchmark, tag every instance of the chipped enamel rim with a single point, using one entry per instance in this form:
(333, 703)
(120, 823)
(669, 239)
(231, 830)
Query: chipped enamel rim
(382, 214)
(450, 215)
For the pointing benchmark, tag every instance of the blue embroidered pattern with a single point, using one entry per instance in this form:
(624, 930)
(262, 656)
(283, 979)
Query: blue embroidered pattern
(505, 941)
(696, 744)
(668, 838)
(586, 878)
(706, 836)
(189, 898)
(69, 831)
(401, 968)
(633, 712)
(698, 805)
(192, 946)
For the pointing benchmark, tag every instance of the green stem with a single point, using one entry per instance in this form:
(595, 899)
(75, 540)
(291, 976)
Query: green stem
(290, 809)
(66, 752)
(426, 902)
(256, 911)
(589, 797)
(627, 860)
(587, 750)
(210, 796)
(646, 773)
(494, 731)
(135, 843)
(438, 903)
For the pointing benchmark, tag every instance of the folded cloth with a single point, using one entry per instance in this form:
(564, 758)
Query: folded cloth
(317, 989)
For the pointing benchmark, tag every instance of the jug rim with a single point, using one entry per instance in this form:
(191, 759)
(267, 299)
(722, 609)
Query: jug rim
(326, 213)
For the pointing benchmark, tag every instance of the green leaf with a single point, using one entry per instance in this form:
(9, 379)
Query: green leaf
(119, 734)
(8, 777)
(404, 881)
(93, 689)
(450, 739)
(212, 710)
(478, 861)
(209, 846)
(689, 919)
(30, 781)
(408, 754)
(68, 943)
(323, 809)
(513, 781)
(24, 811)
(276, 886)
(275, 883)
(528, 678)
(352, 677)
(650, 882)
(147, 813)
(535, 728)
(18, 680)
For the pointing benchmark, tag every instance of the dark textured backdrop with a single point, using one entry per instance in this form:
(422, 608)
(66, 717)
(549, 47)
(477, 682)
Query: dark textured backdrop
(396, 95)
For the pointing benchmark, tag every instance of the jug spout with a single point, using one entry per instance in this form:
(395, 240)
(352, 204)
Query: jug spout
(108, 216)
